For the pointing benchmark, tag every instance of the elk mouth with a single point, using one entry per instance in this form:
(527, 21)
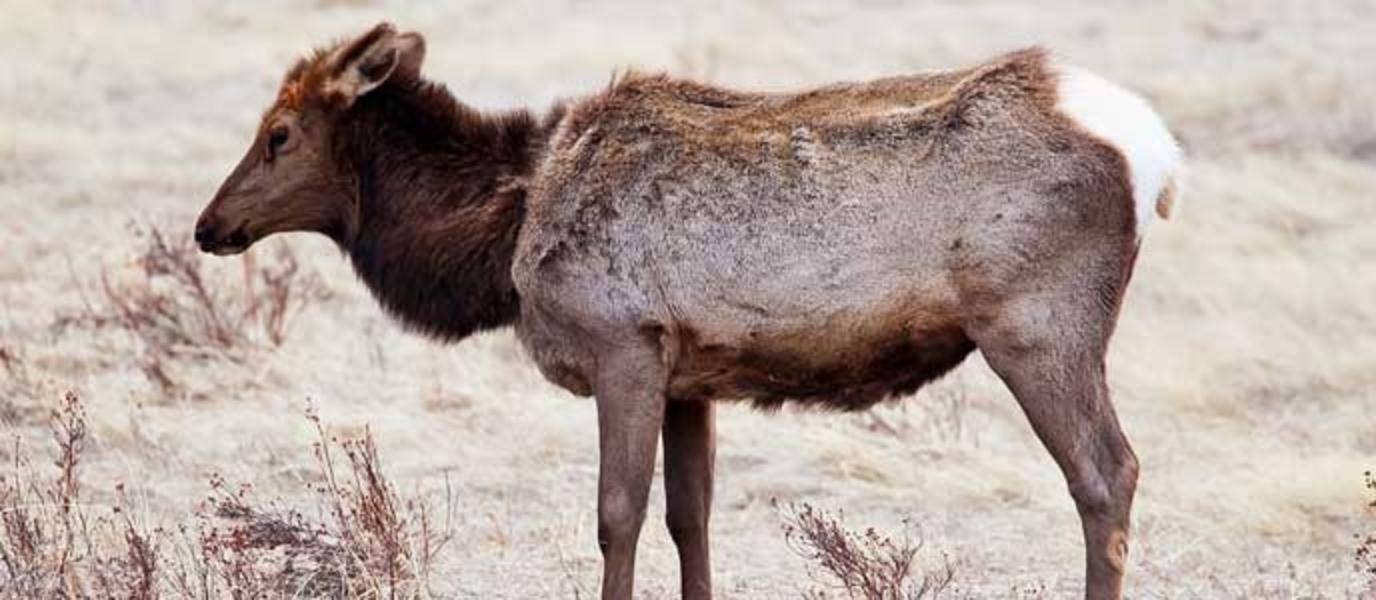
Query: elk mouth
(237, 241)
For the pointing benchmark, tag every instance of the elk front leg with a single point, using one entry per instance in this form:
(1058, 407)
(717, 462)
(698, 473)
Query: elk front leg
(630, 411)
(689, 449)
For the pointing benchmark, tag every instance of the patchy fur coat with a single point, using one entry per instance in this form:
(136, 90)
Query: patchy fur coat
(825, 246)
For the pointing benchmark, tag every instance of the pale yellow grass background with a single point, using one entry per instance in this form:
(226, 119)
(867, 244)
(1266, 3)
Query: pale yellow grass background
(1244, 369)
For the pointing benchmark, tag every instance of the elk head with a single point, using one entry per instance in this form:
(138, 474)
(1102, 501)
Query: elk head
(291, 178)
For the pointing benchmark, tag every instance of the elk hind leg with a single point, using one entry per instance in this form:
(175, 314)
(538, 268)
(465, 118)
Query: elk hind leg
(1057, 375)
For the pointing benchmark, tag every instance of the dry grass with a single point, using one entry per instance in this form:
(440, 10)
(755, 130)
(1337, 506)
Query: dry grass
(54, 545)
(864, 565)
(18, 380)
(368, 543)
(174, 310)
(1365, 555)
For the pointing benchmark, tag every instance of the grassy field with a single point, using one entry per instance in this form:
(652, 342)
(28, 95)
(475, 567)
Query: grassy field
(1244, 368)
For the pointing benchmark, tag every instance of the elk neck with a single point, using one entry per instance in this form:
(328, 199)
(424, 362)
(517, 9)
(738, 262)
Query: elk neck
(440, 201)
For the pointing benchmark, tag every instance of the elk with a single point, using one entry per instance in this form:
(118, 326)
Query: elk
(662, 244)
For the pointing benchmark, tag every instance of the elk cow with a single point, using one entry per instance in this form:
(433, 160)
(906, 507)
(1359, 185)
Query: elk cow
(663, 243)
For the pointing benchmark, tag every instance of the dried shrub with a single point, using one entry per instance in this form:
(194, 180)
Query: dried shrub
(1365, 554)
(132, 570)
(175, 307)
(18, 382)
(52, 545)
(256, 552)
(12, 362)
(868, 565)
(367, 543)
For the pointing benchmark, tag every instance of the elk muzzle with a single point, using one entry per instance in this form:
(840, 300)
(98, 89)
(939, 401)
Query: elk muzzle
(215, 237)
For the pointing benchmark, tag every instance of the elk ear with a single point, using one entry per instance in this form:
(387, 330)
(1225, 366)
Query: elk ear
(364, 64)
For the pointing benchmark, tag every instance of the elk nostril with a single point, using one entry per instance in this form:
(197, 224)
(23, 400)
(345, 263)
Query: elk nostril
(204, 234)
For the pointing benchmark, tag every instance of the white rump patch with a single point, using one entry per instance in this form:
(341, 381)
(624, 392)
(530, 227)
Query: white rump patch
(1125, 121)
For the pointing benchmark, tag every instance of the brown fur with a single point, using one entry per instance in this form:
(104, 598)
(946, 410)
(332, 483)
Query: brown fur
(434, 193)
(665, 243)
(440, 208)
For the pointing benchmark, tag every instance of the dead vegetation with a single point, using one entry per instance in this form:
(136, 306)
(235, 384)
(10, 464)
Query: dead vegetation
(942, 417)
(1365, 554)
(861, 565)
(56, 545)
(167, 301)
(368, 542)
(17, 382)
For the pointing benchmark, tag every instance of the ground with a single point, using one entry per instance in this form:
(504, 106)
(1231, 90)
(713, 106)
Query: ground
(1244, 368)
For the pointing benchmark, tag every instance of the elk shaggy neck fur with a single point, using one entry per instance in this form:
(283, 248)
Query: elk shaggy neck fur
(441, 198)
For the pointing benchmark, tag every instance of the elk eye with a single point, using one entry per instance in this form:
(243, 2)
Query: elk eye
(276, 138)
